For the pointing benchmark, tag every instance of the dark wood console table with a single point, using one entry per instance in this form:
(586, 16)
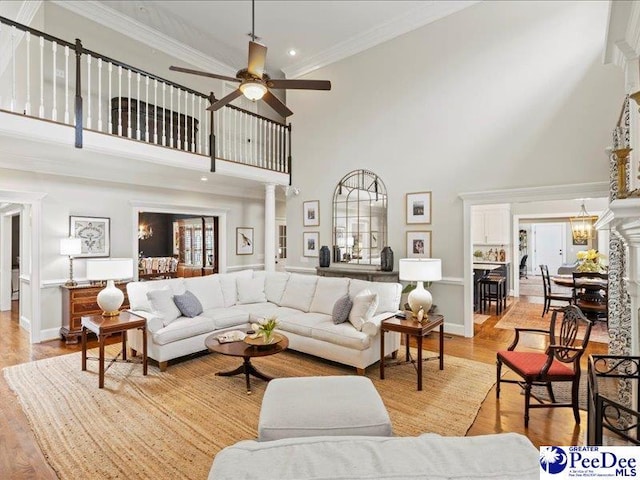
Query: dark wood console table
(358, 273)
(167, 121)
(78, 301)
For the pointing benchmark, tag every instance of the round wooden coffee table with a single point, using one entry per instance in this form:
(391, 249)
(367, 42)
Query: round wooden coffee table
(247, 352)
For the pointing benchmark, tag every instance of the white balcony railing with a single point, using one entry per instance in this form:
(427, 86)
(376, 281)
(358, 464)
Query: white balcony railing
(55, 80)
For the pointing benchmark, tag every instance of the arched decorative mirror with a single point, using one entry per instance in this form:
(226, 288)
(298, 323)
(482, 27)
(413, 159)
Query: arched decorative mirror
(359, 219)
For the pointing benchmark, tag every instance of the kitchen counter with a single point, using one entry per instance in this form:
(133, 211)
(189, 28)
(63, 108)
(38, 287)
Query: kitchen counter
(483, 262)
(485, 266)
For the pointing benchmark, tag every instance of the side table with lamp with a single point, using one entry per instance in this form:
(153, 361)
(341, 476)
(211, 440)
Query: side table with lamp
(112, 320)
(419, 270)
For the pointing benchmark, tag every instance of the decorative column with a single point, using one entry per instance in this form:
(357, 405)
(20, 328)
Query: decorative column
(270, 228)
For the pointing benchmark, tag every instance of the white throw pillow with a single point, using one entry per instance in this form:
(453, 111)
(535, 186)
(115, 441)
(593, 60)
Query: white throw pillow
(251, 290)
(162, 304)
(365, 304)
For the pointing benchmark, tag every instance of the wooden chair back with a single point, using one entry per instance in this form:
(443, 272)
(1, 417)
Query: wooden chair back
(564, 333)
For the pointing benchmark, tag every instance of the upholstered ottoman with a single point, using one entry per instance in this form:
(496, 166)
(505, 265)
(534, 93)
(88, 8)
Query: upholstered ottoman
(322, 406)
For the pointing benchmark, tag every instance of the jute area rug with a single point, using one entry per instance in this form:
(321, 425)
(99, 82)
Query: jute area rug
(528, 315)
(170, 425)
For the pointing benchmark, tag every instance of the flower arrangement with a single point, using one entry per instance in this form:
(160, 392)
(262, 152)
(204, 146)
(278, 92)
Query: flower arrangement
(264, 328)
(590, 261)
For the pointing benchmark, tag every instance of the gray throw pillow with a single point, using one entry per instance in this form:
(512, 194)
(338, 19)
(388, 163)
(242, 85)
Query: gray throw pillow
(188, 304)
(341, 309)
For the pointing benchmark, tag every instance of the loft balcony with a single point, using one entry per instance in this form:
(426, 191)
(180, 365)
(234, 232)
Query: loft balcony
(60, 95)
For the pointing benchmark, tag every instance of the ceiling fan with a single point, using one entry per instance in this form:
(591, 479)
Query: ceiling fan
(254, 82)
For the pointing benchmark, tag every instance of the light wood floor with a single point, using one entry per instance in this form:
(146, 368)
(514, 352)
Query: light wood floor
(21, 458)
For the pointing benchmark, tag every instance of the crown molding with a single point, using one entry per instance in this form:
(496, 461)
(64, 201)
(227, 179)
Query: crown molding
(530, 194)
(426, 13)
(114, 20)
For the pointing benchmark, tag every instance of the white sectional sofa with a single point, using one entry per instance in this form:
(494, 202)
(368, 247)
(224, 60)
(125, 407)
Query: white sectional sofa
(303, 305)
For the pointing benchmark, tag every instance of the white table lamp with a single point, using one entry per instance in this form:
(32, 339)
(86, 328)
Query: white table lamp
(420, 270)
(110, 299)
(70, 247)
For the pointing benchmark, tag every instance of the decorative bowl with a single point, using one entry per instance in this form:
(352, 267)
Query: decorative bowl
(259, 341)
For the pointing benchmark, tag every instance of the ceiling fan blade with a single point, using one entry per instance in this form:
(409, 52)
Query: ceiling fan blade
(276, 104)
(300, 84)
(224, 100)
(257, 59)
(204, 74)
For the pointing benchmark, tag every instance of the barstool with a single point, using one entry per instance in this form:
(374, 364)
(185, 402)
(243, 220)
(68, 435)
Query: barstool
(493, 287)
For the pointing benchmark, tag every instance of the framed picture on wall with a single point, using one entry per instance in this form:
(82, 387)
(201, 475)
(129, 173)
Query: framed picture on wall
(95, 234)
(419, 244)
(244, 241)
(310, 242)
(419, 207)
(311, 211)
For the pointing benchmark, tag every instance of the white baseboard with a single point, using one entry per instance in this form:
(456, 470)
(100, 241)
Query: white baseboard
(49, 334)
(454, 329)
(25, 323)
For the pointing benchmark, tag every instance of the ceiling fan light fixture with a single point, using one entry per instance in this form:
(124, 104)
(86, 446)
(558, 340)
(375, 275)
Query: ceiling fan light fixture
(253, 90)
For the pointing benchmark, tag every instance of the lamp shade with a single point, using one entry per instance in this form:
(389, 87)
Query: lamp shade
(70, 246)
(420, 269)
(110, 269)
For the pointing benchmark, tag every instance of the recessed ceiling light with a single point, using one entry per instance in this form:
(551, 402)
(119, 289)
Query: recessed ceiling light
(204, 179)
(292, 52)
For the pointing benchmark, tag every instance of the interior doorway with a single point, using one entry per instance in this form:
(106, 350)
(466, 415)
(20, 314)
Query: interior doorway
(549, 246)
(172, 244)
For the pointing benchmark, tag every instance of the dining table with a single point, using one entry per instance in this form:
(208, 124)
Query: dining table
(592, 287)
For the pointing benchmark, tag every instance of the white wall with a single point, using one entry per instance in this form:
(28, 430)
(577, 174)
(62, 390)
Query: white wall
(67, 196)
(500, 95)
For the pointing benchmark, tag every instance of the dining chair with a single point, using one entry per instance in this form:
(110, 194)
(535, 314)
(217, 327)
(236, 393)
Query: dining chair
(591, 292)
(549, 295)
(559, 363)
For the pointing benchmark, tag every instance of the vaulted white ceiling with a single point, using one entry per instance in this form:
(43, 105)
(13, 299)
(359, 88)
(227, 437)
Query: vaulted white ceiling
(321, 32)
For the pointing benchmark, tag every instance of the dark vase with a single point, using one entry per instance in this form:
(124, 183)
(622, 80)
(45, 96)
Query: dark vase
(336, 254)
(325, 256)
(386, 259)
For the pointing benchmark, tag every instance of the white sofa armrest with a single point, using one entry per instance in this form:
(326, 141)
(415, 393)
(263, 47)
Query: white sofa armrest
(372, 327)
(154, 323)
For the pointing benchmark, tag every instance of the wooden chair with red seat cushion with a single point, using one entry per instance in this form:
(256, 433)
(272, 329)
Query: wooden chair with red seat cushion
(560, 362)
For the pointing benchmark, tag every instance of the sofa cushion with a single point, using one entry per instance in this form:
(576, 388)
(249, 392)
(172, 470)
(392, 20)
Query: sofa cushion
(341, 309)
(188, 304)
(207, 289)
(227, 317)
(183, 327)
(328, 291)
(274, 284)
(162, 304)
(263, 310)
(299, 291)
(137, 292)
(251, 290)
(302, 323)
(228, 282)
(364, 306)
(388, 293)
(343, 334)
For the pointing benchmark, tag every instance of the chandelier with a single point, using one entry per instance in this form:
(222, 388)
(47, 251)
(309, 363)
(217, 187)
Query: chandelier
(582, 226)
(144, 232)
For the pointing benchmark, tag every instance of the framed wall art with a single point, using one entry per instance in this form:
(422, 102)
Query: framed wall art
(311, 211)
(244, 241)
(419, 207)
(95, 233)
(310, 242)
(419, 244)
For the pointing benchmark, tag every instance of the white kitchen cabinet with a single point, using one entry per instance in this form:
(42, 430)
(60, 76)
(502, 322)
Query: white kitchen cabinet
(491, 224)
